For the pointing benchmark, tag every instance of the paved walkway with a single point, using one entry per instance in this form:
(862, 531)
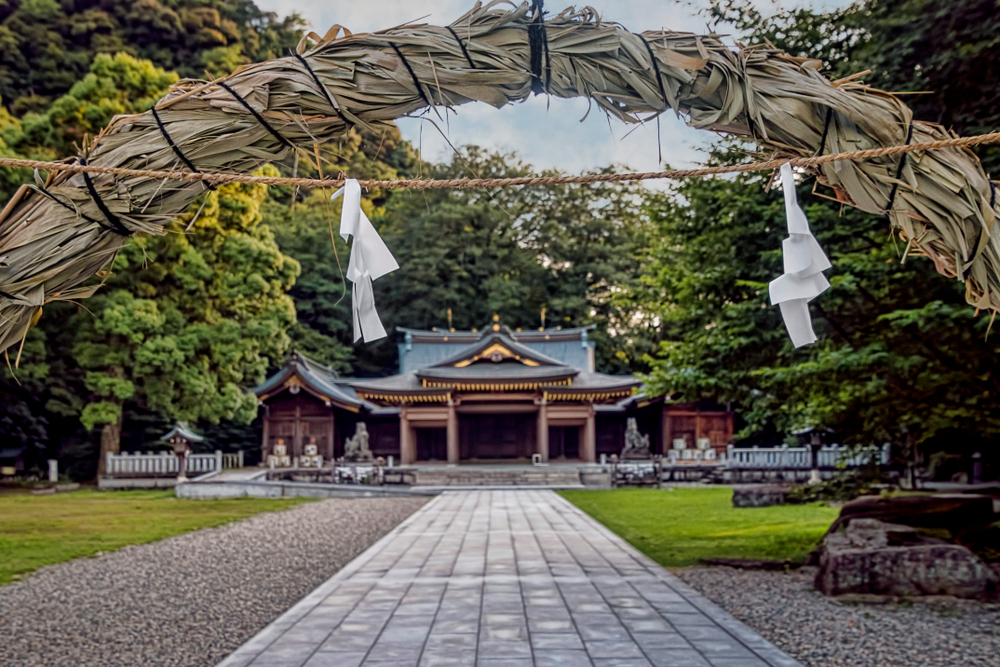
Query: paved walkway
(504, 579)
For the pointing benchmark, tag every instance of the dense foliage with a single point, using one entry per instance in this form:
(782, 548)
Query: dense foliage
(47, 46)
(901, 357)
(184, 322)
(948, 51)
(514, 251)
(676, 283)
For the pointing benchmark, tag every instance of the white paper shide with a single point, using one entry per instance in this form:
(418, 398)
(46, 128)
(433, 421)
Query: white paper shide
(370, 260)
(805, 262)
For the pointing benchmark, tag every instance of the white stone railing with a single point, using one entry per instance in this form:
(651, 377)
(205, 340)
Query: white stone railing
(800, 458)
(232, 460)
(165, 464)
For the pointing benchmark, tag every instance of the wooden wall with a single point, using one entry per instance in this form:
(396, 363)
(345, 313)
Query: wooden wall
(690, 422)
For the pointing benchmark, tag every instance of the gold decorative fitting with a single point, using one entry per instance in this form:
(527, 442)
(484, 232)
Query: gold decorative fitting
(496, 353)
(408, 398)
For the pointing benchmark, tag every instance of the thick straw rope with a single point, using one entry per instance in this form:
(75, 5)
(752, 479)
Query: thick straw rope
(55, 236)
(433, 183)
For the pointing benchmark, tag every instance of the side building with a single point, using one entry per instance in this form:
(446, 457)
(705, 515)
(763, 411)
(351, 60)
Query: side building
(491, 396)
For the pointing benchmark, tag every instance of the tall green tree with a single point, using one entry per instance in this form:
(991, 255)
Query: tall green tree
(116, 84)
(514, 251)
(946, 50)
(187, 322)
(901, 357)
(306, 225)
(46, 46)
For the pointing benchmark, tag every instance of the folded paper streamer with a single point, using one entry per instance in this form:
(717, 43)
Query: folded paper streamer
(370, 260)
(805, 261)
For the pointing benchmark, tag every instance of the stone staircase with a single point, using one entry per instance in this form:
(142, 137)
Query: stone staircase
(540, 476)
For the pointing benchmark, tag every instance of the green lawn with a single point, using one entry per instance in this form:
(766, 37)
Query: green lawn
(42, 530)
(676, 527)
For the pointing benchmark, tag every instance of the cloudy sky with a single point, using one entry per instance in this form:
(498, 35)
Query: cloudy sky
(546, 132)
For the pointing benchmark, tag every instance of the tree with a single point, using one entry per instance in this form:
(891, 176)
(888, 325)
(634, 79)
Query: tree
(46, 46)
(187, 322)
(947, 50)
(513, 251)
(901, 357)
(307, 226)
(115, 85)
(118, 84)
(569, 249)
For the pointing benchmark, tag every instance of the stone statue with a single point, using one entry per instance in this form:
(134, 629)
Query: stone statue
(356, 448)
(636, 444)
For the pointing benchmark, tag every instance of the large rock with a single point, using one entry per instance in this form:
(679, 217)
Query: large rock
(940, 510)
(759, 495)
(868, 556)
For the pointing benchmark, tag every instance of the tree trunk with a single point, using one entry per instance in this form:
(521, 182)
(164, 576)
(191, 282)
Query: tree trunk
(111, 440)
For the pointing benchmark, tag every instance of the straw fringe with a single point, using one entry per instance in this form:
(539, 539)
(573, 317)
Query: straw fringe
(781, 102)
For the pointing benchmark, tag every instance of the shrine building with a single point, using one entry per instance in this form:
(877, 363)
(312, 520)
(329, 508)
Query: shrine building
(492, 396)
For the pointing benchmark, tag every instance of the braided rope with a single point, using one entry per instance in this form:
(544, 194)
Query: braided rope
(427, 183)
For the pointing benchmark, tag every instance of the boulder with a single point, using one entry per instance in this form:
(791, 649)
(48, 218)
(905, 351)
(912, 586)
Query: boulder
(759, 495)
(941, 510)
(868, 556)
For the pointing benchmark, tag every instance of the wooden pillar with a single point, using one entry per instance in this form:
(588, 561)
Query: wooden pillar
(453, 453)
(297, 437)
(588, 451)
(665, 435)
(542, 438)
(407, 444)
(332, 436)
(697, 426)
(265, 447)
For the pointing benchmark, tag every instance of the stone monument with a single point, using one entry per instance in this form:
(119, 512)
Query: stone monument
(636, 444)
(356, 447)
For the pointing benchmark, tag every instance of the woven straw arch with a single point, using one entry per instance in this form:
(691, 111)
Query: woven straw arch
(51, 243)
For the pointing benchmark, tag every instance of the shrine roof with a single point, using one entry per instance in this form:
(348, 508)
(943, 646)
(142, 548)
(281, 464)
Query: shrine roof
(506, 370)
(183, 430)
(499, 345)
(557, 382)
(525, 335)
(420, 348)
(318, 379)
(12, 452)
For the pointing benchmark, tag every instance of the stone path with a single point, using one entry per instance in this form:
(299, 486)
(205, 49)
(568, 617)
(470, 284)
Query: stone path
(505, 579)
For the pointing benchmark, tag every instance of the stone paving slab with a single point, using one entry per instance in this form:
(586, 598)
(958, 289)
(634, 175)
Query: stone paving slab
(511, 578)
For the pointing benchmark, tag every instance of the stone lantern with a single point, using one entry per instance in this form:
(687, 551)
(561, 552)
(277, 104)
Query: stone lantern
(181, 437)
(815, 434)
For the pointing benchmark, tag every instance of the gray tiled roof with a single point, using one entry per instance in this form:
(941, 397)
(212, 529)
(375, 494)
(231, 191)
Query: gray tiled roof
(184, 430)
(421, 348)
(320, 379)
(508, 370)
(501, 339)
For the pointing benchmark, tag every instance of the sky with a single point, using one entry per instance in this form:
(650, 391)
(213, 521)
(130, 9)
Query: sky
(545, 132)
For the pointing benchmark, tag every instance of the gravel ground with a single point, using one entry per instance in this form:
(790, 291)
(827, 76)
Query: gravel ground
(824, 632)
(188, 600)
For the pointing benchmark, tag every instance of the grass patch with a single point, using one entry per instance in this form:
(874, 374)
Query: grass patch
(676, 527)
(42, 530)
